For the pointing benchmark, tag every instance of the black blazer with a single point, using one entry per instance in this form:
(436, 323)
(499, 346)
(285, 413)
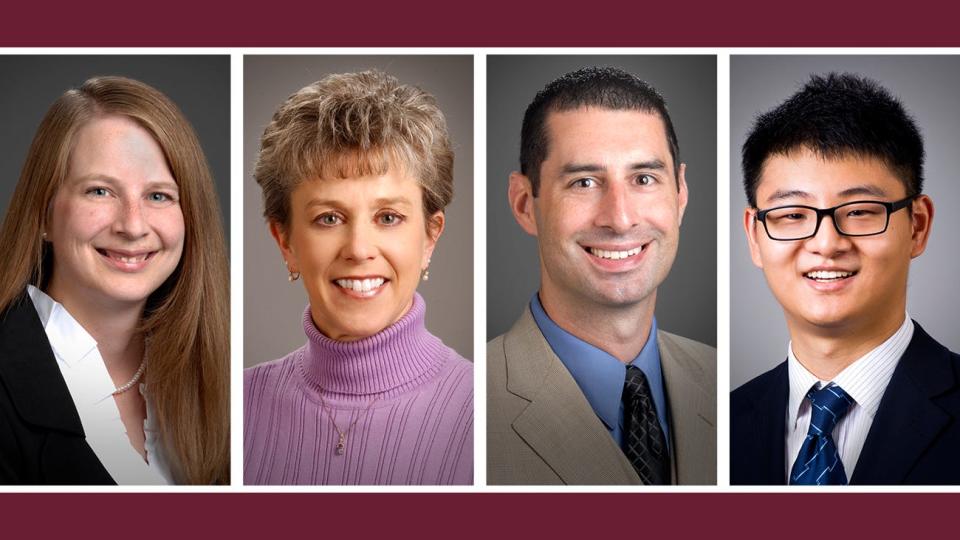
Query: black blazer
(914, 438)
(41, 437)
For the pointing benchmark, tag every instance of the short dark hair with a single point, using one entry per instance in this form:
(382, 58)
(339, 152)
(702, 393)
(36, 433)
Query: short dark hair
(603, 87)
(835, 115)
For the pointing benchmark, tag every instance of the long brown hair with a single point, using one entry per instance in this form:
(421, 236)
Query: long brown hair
(187, 318)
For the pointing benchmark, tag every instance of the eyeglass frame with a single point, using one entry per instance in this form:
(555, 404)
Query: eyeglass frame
(891, 207)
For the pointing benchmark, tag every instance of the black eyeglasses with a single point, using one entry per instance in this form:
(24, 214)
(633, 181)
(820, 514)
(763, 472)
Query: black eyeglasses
(857, 218)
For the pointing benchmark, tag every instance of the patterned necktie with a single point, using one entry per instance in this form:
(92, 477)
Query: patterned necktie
(643, 440)
(818, 462)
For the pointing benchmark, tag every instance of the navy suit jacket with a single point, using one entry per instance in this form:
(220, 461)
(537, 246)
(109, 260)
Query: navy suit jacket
(41, 437)
(914, 438)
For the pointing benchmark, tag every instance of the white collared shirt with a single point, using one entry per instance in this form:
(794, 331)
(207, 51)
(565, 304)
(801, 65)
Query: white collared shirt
(865, 381)
(92, 390)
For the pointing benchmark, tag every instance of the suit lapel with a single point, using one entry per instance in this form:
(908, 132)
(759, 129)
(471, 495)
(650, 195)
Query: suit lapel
(908, 421)
(768, 418)
(692, 413)
(30, 371)
(559, 424)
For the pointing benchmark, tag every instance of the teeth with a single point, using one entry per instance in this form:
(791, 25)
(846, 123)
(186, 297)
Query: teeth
(360, 285)
(826, 275)
(615, 255)
(128, 260)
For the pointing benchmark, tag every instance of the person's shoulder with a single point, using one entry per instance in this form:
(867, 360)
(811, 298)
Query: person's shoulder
(459, 369)
(687, 345)
(495, 348)
(269, 374)
(757, 387)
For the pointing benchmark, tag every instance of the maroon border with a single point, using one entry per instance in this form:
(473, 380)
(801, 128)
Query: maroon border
(478, 515)
(490, 23)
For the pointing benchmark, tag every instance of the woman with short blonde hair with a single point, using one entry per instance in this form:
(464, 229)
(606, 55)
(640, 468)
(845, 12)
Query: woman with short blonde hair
(356, 170)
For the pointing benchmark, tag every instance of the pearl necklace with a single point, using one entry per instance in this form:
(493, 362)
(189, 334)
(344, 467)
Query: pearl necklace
(136, 377)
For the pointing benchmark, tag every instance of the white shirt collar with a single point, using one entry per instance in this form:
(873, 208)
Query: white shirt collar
(864, 380)
(69, 340)
(91, 389)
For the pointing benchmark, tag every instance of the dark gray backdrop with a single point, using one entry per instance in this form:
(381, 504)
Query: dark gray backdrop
(927, 85)
(273, 307)
(199, 85)
(687, 300)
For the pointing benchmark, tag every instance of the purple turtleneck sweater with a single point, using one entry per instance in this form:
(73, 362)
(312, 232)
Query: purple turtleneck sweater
(402, 397)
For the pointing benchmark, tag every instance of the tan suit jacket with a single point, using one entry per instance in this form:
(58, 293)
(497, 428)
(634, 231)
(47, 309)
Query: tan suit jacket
(542, 430)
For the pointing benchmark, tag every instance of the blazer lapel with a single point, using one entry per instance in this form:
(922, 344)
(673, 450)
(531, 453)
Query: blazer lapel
(41, 399)
(559, 424)
(764, 446)
(908, 421)
(692, 415)
(35, 384)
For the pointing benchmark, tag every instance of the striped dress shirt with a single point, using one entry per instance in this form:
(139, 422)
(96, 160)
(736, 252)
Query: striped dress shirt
(865, 380)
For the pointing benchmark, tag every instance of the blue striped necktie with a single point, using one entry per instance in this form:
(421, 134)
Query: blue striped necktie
(818, 462)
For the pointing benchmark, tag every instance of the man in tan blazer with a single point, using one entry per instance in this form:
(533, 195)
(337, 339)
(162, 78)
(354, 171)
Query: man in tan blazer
(584, 389)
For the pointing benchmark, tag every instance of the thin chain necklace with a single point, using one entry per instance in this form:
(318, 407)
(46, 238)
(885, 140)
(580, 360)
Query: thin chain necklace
(341, 447)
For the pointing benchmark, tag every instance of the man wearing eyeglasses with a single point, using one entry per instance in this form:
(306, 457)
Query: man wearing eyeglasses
(834, 179)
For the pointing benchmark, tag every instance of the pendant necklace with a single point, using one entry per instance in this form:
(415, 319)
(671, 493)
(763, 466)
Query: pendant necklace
(341, 447)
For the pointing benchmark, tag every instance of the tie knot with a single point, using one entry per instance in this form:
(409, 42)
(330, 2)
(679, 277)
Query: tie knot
(828, 405)
(636, 382)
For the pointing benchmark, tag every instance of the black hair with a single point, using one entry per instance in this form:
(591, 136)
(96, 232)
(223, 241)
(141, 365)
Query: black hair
(837, 115)
(603, 87)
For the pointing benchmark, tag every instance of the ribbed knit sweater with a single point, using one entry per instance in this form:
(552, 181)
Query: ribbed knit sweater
(402, 397)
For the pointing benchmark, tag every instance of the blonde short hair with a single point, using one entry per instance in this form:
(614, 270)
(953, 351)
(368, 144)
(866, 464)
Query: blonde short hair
(354, 124)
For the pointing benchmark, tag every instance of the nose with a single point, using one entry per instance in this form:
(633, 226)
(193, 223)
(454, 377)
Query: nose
(828, 241)
(360, 244)
(131, 221)
(617, 210)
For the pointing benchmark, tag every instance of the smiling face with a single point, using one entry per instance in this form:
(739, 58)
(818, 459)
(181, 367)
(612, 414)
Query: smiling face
(360, 245)
(608, 212)
(115, 227)
(832, 282)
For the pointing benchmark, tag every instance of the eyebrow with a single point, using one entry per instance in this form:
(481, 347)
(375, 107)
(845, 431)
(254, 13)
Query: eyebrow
(781, 194)
(573, 168)
(865, 189)
(99, 177)
(382, 201)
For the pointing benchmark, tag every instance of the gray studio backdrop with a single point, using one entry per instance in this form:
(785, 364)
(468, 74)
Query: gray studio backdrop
(687, 300)
(199, 85)
(273, 307)
(927, 85)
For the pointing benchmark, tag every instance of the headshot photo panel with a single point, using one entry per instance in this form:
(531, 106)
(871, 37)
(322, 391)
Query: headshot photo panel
(843, 255)
(114, 296)
(601, 289)
(359, 260)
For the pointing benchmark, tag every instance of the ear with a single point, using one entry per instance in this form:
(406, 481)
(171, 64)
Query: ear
(521, 200)
(435, 225)
(280, 235)
(682, 193)
(750, 226)
(922, 222)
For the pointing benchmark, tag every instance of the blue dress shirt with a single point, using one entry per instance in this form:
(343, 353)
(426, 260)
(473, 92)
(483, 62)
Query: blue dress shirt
(600, 375)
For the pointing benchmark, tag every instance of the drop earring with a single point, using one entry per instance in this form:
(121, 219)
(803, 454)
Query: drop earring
(291, 275)
(426, 272)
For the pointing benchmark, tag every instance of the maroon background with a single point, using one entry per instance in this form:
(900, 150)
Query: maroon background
(368, 23)
(488, 516)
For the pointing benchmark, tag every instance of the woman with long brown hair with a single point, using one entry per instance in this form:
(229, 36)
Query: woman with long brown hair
(114, 316)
